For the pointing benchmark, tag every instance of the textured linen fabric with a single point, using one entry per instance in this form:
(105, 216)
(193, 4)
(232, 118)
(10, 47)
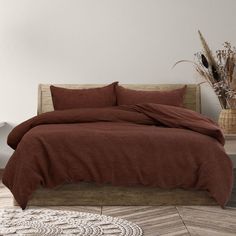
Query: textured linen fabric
(127, 96)
(64, 98)
(144, 144)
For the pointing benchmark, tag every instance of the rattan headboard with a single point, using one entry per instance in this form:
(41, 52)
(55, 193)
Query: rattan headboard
(191, 100)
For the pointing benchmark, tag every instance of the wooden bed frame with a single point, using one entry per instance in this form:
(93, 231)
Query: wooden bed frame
(94, 195)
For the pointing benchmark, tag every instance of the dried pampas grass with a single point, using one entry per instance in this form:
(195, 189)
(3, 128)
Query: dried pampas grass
(218, 70)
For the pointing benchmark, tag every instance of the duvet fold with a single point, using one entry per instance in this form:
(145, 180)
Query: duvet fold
(144, 144)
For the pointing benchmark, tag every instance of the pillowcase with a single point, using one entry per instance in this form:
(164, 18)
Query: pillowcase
(129, 96)
(64, 98)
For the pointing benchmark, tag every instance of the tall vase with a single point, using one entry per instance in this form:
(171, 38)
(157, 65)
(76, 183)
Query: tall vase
(227, 121)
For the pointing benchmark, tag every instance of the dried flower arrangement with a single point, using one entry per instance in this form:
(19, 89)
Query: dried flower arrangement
(219, 71)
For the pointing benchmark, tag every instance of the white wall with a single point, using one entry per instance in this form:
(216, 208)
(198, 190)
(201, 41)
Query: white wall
(100, 41)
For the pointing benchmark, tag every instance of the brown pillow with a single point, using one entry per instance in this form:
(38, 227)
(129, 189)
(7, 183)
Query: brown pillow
(129, 96)
(83, 98)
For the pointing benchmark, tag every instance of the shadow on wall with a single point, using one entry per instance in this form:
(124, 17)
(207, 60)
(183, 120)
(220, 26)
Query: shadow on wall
(5, 150)
(210, 105)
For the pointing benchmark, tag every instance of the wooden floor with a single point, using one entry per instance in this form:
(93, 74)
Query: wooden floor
(166, 220)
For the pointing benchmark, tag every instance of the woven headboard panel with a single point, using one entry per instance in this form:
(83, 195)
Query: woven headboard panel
(191, 101)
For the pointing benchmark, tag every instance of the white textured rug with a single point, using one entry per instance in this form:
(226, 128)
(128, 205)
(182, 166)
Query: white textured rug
(53, 222)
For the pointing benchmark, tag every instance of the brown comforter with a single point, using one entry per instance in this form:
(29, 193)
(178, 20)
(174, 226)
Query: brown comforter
(148, 144)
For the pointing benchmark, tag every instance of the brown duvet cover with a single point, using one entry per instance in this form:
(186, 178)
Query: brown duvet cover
(147, 144)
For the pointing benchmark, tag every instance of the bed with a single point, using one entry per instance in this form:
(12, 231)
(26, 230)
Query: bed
(86, 193)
